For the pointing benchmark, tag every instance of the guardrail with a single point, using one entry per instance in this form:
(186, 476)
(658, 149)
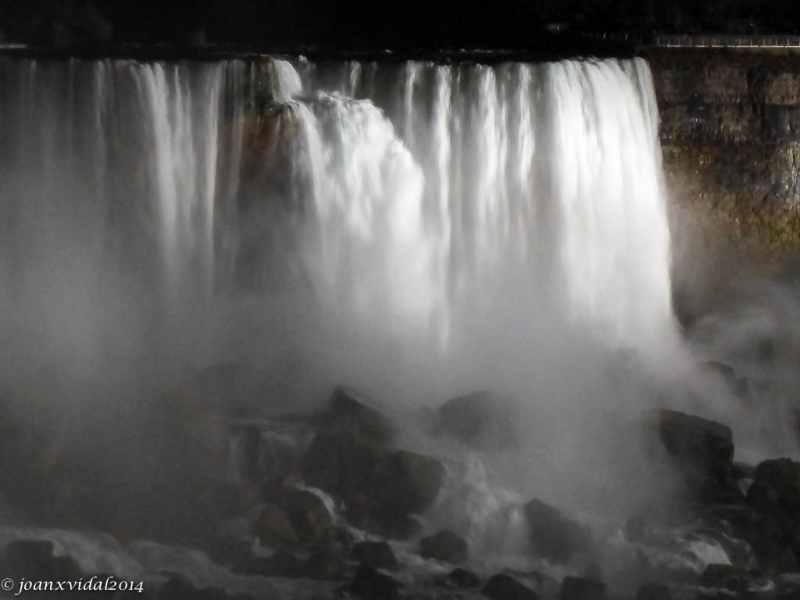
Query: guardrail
(727, 41)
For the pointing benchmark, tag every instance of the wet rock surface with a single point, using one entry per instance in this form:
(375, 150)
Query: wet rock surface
(314, 519)
(552, 534)
(506, 587)
(445, 546)
(703, 449)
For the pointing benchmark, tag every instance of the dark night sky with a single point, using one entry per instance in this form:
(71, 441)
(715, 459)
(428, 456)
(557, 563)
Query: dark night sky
(387, 23)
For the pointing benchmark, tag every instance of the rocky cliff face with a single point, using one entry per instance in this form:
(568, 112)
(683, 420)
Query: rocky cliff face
(730, 135)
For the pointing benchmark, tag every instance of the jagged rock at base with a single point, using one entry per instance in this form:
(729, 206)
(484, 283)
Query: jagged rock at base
(353, 412)
(480, 420)
(775, 497)
(552, 535)
(326, 564)
(463, 578)
(381, 487)
(653, 591)
(444, 546)
(579, 588)
(274, 528)
(35, 560)
(375, 554)
(703, 450)
(729, 577)
(506, 587)
(369, 584)
(282, 563)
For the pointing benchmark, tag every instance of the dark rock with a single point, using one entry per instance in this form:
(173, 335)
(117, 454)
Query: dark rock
(308, 514)
(342, 464)
(375, 554)
(729, 577)
(35, 560)
(775, 496)
(282, 563)
(295, 516)
(697, 443)
(327, 565)
(414, 482)
(505, 587)
(703, 450)
(578, 588)
(352, 412)
(381, 487)
(445, 546)
(463, 578)
(369, 584)
(274, 528)
(552, 535)
(776, 489)
(479, 419)
(653, 591)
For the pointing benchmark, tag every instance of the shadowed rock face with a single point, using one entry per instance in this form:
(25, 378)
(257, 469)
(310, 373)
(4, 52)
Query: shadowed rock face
(730, 140)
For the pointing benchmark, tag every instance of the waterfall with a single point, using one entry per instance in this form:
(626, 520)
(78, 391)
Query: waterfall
(414, 199)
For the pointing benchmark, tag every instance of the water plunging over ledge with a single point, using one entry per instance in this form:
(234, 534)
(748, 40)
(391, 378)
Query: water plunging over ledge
(412, 195)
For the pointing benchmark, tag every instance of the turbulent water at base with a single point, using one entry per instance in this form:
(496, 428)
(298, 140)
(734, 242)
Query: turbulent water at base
(408, 194)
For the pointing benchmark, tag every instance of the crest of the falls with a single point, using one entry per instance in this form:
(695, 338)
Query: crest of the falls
(413, 199)
(473, 184)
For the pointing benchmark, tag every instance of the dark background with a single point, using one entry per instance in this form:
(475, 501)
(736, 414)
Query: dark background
(393, 24)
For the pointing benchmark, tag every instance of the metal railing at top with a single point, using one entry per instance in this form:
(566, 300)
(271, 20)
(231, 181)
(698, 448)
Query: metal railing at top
(727, 41)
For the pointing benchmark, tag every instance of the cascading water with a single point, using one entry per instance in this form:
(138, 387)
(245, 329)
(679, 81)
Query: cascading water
(487, 224)
(421, 198)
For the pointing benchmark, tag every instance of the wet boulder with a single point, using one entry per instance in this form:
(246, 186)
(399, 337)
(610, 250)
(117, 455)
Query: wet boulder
(774, 495)
(727, 577)
(553, 535)
(380, 486)
(776, 489)
(294, 516)
(378, 555)
(463, 578)
(354, 413)
(36, 560)
(444, 546)
(326, 564)
(579, 588)
(696, 443)
(703, 450)
(480, 420)
(370, 584)
(274, 528)
(653, 591)
(506, 587)
(414, 482)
